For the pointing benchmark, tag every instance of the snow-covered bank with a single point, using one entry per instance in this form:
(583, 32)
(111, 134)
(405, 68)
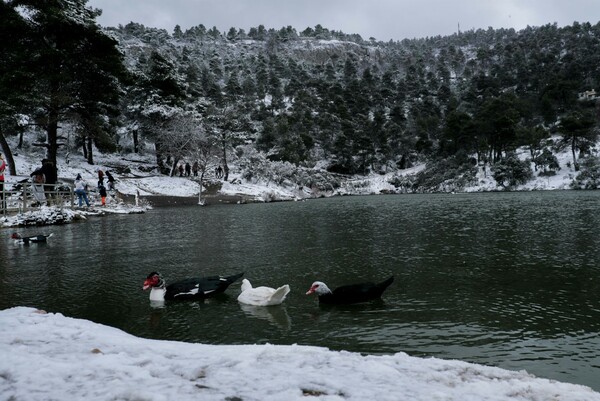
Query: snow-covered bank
(255, 180)
(45, 216)
(52, 357)
(252, 179)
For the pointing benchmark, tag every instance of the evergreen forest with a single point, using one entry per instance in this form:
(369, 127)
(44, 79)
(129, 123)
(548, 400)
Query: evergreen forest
(315, 98)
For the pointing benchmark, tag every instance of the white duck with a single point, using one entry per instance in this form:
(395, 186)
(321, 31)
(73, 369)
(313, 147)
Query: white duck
(262, 296)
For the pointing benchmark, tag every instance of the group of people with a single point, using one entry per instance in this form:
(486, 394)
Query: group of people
(186, 169)
(44, 182)
(81, 187)
(45, 178)
(109, 178)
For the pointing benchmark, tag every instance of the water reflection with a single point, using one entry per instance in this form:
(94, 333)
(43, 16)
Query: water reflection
(157, 304)
(276, 315)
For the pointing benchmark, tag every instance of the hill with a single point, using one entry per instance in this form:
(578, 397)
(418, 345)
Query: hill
(315, 109)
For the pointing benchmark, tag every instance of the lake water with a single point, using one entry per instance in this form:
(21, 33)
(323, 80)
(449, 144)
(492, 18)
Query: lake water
(502, 279)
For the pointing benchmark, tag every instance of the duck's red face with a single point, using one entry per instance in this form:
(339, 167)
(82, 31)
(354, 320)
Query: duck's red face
(15, 236)
(313, 289)
(152, 280)
(319, 288)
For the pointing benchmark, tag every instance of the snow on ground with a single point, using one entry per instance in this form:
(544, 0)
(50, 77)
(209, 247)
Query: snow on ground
(52, 357)
(28, 162)
(136, 175)
(261, 192)
(78, 359)
(376, 183)
(159, 185)
(561, 180)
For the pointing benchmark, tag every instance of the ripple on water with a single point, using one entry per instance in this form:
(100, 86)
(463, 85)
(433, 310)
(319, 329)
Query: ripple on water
(509, 280)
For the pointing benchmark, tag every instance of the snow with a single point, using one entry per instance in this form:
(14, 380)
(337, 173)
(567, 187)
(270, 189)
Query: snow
(78, 359)
(49, 356)
(159, 185)
(561, 180)
(137, 175)
(28, 162)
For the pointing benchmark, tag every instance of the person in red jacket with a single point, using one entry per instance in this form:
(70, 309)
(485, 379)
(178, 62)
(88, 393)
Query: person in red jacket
(100, 177)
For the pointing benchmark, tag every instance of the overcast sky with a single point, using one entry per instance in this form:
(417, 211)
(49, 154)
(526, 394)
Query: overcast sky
(381, 19)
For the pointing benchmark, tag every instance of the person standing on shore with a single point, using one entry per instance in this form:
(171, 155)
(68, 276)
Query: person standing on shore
(111, 181)
(44, 181)
(102, 191)
(100, 177)
(51, 174)
(38, 179)
(80, 190)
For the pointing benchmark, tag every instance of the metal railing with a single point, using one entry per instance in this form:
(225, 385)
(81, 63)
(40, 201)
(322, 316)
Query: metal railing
(25, 195)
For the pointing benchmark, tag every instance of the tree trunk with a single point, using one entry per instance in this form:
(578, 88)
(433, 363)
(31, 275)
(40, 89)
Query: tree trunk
(8, 156)
(225, 166)
(200, 200)
(573, 146)
(90, 152)
(52, 134)
(135, 141)
(52, 121)
(20, 145)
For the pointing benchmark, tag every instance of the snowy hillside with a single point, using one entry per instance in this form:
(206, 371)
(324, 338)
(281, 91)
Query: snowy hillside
(256, 180)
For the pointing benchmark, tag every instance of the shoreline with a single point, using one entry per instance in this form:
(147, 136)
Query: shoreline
(226, 199)
(170, 200)
(48, 216)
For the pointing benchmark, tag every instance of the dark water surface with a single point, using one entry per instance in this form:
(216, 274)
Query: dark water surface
(503, 279)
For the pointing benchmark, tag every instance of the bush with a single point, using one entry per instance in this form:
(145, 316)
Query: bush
(512, 171)
(255, 167)
(547, 161)
(589, 174)
(445, 175)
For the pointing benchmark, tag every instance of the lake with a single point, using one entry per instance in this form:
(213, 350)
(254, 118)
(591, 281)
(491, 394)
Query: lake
(502, 279)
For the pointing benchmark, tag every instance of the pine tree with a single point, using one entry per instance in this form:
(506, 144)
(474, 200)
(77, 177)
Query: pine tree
(69, 59)
(17, 75)
(577, 129)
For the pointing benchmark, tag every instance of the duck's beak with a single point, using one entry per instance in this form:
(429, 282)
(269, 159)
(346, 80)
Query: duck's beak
(311, 290)
(147, 285)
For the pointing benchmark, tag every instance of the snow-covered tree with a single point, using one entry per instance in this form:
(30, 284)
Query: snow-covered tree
(578, 130)
(71, 67)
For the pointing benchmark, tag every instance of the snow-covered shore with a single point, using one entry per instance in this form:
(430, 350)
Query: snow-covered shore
(137, 179)
(49, 356)
(77, 359)
(136, 175)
